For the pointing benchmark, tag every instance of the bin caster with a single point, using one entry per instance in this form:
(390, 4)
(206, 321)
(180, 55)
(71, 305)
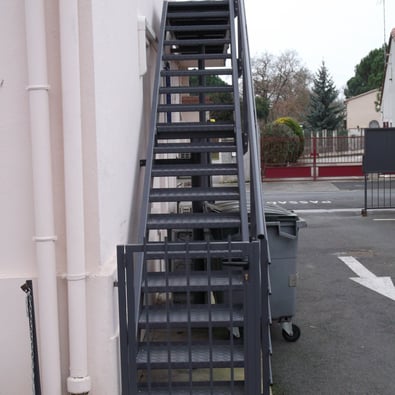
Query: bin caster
(290, 332)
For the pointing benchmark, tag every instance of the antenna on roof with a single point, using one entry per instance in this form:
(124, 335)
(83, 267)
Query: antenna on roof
(384, 30)
(385, 33)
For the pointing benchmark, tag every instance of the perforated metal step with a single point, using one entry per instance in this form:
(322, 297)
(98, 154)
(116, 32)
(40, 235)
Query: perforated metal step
(193, 221)
(196, 89)
(202, 281)
(194, 130)
(196, 356)
(197, 316)
(192, 194)
(194, 107)
(193, 147)
(235, 389)
(195, 72)
(193, 170)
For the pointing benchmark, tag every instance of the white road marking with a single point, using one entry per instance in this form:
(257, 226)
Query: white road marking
(294, 202)
(383, 219)
(382, 285)
(328, 210)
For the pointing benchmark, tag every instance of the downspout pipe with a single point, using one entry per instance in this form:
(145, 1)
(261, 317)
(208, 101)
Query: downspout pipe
(78, 381)
(44, 238)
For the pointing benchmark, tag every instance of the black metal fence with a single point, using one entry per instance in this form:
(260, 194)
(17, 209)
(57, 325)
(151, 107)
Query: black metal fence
(379, 191)
(379, 168)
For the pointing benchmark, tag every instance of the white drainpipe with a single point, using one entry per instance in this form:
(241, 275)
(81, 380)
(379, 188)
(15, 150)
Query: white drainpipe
(43, 200)
(78, 381)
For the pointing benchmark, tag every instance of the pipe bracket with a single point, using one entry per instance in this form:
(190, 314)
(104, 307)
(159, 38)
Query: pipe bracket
(76, 277)
(38, 87)
(42, 239)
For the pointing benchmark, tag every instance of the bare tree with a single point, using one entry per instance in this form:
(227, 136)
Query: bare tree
(283, 84)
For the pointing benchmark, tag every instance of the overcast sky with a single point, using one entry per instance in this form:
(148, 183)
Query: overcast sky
(340, 32)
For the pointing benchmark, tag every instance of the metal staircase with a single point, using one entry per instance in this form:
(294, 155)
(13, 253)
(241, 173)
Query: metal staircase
(193, 294)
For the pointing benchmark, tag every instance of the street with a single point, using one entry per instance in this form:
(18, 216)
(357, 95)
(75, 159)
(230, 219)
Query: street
(343, 305)
(316, 195)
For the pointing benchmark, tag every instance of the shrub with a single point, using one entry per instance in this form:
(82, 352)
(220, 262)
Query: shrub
(280, 145)
(295, 127)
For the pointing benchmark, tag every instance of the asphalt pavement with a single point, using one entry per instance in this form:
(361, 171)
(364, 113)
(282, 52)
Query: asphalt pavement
(345, 307)
(312, 195)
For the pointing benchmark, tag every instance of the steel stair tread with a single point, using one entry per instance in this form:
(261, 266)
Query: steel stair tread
(196, 89)
(180, 194)
(198, 42)
(198, 356)
(191, 72)
(195, 130)
(190, 147)
(197, 28)
(174, 282)
(197, 56)
(238, 389)
(192, 4)
(183, 15)
(194, 107)
(175, 170)
(172, 250)
(197, 315)
(192, 221)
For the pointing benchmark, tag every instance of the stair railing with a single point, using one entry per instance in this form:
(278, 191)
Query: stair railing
(152, 131)
(257, 216)
(258, 228)
(142, 233)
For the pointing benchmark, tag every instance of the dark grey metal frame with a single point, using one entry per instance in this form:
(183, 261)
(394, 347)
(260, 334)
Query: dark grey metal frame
(379, 169)
(251, 255)
(242, 260)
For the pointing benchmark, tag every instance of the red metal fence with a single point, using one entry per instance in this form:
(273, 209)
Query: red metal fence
(339, 156)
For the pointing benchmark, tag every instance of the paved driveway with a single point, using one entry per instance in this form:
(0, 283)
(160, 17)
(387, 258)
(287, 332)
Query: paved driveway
(347, 344)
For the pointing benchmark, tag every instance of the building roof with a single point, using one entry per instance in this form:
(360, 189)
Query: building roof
(361, 94)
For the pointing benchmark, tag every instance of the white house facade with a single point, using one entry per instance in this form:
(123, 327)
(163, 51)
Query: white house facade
(75, 96)
(388, 92)
(361, 111)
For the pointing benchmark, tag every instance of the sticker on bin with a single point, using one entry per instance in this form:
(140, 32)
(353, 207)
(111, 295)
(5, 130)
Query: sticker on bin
(293, 280)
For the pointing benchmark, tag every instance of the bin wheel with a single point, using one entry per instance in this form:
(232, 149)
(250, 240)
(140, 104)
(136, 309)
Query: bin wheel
(294, 337)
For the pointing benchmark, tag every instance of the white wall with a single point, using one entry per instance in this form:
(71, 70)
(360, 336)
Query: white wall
(361, 110)
(17, 226)
(115, 116)
(122, 115)
(16, 230)
(388, 100)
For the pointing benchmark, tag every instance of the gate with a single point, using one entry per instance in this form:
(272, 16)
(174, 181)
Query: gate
(379, 169)
(322, 156)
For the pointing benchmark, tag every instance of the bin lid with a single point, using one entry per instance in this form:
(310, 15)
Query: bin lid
(272, 212)
(278, 213)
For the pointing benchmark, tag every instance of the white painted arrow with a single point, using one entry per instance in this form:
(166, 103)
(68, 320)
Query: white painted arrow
(382, 285)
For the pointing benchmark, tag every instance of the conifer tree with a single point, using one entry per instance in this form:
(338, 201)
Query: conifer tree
(325, 111)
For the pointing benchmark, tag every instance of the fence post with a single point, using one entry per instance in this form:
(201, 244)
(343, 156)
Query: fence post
(364, 211)
(314, 158)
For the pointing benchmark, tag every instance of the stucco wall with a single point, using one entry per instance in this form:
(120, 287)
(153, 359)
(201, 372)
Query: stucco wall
(361, 110)
(388, 101)
(116, 104)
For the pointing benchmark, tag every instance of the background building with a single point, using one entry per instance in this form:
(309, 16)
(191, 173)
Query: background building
(388, 91)
(361, 111)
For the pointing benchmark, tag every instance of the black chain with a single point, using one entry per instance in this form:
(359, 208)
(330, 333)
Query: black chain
(28, 289)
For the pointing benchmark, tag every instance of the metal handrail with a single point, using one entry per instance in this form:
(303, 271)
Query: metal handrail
(257, 211)
(152, 130)
(141, 236)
